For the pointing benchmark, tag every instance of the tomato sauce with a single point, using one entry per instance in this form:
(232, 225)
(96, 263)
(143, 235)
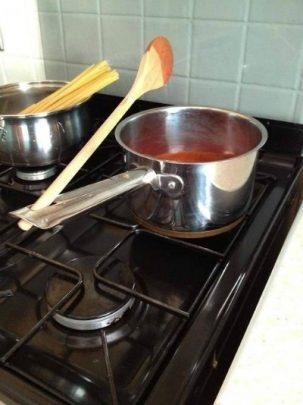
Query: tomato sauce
(194, 156)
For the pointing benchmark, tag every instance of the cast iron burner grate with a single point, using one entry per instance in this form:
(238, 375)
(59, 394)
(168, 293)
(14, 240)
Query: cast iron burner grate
(183, 292)
(134, 253)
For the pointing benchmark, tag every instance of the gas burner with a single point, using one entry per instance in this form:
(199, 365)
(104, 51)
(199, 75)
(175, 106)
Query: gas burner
(95, 305)
(78, 339)
(35, 174)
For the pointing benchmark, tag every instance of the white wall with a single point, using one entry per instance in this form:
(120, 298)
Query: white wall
(22, 59)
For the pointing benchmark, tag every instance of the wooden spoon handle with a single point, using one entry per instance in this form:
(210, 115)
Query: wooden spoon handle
(80, 159)
(154, 71)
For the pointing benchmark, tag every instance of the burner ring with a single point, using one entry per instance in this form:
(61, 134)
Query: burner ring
(36, 174)
(94, 323)
(96, 305)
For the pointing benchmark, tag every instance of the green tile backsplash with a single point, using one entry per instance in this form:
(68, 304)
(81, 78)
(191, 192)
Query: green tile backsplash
(244, 55)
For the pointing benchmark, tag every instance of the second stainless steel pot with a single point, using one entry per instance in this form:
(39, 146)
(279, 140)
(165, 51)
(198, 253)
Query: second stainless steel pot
(41, 139)
(192, 170)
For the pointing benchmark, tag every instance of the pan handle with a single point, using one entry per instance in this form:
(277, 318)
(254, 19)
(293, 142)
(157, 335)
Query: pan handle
(74, 202)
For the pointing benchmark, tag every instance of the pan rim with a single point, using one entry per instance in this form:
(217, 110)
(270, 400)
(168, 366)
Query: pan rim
(172, 108)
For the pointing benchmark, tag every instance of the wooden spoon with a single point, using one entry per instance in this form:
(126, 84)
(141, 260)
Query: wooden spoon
(154, 72)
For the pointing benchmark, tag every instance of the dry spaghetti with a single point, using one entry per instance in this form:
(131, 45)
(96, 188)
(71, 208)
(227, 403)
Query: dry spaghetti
(83, 86)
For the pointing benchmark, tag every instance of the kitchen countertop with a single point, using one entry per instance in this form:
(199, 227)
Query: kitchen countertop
(268, 366)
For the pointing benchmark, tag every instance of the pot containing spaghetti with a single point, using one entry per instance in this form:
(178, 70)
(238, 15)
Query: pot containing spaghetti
(39, 139)
(43, 123)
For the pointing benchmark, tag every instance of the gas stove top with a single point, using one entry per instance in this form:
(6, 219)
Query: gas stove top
(100, 310)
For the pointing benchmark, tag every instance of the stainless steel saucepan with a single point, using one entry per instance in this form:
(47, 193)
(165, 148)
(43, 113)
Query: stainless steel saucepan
(40, 139)
(192, 170)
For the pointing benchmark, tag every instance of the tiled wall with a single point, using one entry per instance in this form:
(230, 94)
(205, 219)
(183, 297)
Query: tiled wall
(22, 58)
(241, 54)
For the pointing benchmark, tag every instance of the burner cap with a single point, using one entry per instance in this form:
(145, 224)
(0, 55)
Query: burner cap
(35, 174)
(96, 305)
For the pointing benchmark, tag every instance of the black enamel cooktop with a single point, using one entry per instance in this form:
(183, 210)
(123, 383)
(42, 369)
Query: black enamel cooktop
(176, 309)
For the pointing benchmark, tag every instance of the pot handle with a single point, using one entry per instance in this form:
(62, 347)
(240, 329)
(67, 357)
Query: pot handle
(74, 202)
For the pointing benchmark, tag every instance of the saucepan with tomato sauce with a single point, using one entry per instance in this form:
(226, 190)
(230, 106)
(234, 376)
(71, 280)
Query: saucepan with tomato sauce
(191, 171)
(204, 159)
